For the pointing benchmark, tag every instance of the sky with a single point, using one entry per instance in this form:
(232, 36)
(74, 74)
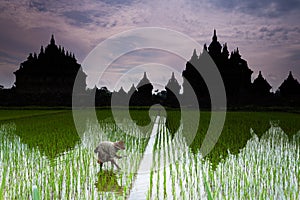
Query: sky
(266, 32)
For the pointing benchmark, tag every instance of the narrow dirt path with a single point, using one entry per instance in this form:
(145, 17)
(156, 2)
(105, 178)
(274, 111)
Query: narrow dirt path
(168, 169)
(142, 181)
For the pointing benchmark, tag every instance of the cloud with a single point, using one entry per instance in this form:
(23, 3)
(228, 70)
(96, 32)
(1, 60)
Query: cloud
(261, 8)
(279, 33)
(122, 53)
(78, 17)
(6, 75)
(157, 73)
(266, 32)
(135, 63)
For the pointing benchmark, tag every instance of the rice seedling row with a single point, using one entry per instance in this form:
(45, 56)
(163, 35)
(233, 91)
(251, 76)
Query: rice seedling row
(72, 174)
(250, 161)
(265, 167)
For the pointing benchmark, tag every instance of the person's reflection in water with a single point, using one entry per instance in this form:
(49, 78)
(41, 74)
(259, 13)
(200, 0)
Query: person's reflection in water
(107, 181)
(173, 121)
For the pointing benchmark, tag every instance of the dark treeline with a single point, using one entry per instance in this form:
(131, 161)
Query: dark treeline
(47, 79)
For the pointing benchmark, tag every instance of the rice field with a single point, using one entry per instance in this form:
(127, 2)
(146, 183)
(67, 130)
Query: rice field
(266, 168)
(256, 157)
(62, 165)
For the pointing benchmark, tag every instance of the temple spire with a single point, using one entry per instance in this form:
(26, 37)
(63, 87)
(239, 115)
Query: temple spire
(173, 85)
(204, 47)
(145, 75)
(195, 53)
(215, 38)
(261, 86)
(194, 58)
(215, 47)
(173, 76)
(290, 75)
(52, 41)
(225, 51)
(42, 50)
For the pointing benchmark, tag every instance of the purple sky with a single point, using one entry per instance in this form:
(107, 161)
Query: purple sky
(266, 32)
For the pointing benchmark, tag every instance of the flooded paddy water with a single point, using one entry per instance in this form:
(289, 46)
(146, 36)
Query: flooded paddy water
(159, 166)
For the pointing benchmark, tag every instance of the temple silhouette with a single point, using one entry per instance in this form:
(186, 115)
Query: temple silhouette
(142, 96)
(47, 79)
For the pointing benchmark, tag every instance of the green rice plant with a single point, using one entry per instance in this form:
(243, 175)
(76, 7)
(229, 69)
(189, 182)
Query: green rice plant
(11, 114)
(247, 162)
(46, 164)
(35, 193)
(150, 185)
(209, 196)
(4, 173)
(230, 180)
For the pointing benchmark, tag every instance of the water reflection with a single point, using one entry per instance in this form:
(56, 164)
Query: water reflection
(107, 181)
(173, 121)
(236, 130)
(141, 118)
(52, 134)
(235, 133)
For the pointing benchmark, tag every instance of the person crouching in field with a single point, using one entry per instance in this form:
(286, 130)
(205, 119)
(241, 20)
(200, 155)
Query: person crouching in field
(107, 151)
